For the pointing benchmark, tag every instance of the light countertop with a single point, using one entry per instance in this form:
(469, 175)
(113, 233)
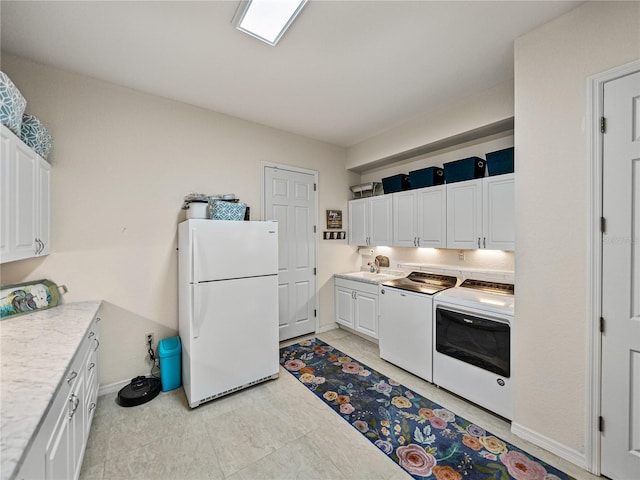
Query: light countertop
(36, 350)
(374, 278)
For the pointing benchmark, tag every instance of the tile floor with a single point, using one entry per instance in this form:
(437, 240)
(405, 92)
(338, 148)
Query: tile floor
(275, 430)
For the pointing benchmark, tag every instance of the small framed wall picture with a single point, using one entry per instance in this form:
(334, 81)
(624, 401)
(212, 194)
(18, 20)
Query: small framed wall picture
(334, 219)
(334, 235)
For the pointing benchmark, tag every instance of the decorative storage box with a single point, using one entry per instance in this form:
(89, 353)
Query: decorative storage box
(396, 183)
(465, 169)
(426, 177)
(221, 210)
(500, 162)
(12, 104)
(36, 135)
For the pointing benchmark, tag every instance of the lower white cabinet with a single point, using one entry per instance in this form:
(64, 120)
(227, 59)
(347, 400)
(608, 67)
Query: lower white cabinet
(357, 306)
(59, 446)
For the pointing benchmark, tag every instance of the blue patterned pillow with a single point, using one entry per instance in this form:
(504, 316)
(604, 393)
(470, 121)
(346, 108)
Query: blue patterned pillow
(12, 104)
(36, 135)
(227, 210)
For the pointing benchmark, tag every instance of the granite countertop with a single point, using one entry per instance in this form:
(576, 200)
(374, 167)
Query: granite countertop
(36, 350)
(373, 278)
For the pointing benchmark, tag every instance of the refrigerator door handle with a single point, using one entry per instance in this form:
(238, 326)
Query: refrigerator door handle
(197, 315)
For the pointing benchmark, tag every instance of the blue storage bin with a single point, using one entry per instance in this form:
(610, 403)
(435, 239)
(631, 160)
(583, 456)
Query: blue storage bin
(426, 177)
(170, 353)
(500, 162)
(465, 169)
(396, 183)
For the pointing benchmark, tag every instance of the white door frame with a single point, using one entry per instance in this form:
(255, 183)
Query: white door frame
(595, 108)
(281, 166)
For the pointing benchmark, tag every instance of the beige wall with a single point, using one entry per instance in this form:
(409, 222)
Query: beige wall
(552, 64)
(455, 118)
(122, 163)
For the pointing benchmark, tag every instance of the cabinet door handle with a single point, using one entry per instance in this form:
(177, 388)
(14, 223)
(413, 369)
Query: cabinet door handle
(42, 246)
(418, 241)
(91, 334)
(478, 242)
(414, 241)
(484, 242)
(97, 344)
(75, 401)
(91, 366)
(71, 377)
(92, 406)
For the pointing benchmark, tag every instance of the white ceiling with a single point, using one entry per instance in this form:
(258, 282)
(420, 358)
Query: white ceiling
(345, 70)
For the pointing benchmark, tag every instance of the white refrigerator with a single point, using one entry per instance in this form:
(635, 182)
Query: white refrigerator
(228, 306)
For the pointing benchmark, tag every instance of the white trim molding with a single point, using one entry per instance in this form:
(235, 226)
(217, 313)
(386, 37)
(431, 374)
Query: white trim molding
(595, 108)
(112, 387)
(327, 328)
(549, 444)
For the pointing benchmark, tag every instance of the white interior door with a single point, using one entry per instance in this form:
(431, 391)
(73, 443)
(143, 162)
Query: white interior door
(620, 447)
(291, 200)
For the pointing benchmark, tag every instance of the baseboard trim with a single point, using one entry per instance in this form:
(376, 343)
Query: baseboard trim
(551, 445)
(327, 328)
(113, 387)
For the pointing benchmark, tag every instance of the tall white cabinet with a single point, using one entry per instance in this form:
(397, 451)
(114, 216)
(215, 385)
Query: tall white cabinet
(25, 191)
(481, 214)
(420, 218)
(370, 221)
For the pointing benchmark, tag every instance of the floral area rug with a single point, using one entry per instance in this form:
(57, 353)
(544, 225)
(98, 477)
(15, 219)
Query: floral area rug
(425, 439)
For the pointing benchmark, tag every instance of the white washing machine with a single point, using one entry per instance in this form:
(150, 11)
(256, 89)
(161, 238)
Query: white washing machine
(405, 323)
(472, 343)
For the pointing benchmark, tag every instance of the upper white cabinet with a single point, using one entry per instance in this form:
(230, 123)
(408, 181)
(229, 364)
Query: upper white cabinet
(25, 191)
(370, 221)
(419, 218)
(480, 213)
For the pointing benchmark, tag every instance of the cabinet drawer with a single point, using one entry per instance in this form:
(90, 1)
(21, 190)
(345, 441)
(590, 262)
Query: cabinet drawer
(356, 285)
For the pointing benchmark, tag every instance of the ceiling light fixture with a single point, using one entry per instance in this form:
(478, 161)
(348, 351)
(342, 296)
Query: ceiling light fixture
(266, 20)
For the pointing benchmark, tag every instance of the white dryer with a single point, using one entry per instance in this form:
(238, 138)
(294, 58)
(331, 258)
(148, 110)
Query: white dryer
(472, 343)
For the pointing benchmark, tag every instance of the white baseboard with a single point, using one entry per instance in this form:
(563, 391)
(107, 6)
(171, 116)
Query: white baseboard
(327, 328)
(113, 387)
(551, 445)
